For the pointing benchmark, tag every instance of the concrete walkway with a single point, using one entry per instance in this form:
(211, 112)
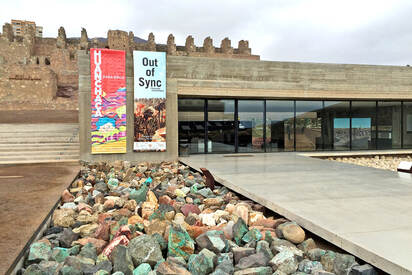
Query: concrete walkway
(365, 211)
(27, 194)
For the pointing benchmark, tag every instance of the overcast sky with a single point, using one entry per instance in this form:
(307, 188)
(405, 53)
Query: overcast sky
(336, 31)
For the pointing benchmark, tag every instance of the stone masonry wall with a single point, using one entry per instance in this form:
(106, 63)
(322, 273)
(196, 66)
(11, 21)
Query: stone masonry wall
(42, 73)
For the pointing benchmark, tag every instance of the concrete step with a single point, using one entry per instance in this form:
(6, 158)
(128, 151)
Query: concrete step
(38, 157)
(7, 162)
(41, 127)
(45, 148)
(8, 140)
(74, 152)
(42, 145)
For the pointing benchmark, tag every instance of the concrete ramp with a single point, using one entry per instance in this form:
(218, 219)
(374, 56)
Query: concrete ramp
(365, 211)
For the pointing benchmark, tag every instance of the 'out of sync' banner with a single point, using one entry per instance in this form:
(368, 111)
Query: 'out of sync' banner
(149, 101)
(108, 101)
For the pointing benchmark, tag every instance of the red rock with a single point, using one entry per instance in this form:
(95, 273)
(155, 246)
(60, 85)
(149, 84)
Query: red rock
(103, 231)
(170, 191)
(165, 200)
(135, 219)
(67, 197)
(99, 244)
(83, 206)
(115, 242)
(124, 212)
(108, 204)
(269, 223)
(103, 216)
(190, 208)
(195, 231)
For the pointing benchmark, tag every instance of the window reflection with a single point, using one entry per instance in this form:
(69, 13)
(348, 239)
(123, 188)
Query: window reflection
(308, 125)
(221, 126)
(250, 131)
(363, 125)
(192, 125)
(389, 125)
(279, 125)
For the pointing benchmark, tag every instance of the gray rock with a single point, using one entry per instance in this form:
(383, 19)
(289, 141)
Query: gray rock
(224, 264)
(261, 270)
(278, 242)
(122, 260)
(101, 187)
(307, 245)
(88, 251)
(321, 272)
(214, 240)
(343, 264)
(288, 266)
(264, 247)
(365, 269)
(70, 270)
(145, 249)
(255, 260)
(241, 252)
(69, 205)
(68, 237)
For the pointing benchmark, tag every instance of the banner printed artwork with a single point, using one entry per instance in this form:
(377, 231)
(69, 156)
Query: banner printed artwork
(108, 101)
(149, 101)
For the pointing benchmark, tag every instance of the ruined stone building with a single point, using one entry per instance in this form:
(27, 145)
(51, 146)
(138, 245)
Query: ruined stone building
(42, 73)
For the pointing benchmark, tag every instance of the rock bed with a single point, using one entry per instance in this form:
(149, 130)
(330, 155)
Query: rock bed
(386, 162)
(165, 219)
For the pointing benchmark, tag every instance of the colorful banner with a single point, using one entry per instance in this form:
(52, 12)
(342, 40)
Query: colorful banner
(149, 101)
(108, 100)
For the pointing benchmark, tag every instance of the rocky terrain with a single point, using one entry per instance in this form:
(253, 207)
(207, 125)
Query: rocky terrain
(165, 219)
(386, 162)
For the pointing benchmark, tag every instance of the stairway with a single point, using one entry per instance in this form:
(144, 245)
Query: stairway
(39, 143)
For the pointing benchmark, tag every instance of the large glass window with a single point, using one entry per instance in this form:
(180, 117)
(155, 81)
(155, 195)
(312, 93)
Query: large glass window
(389, 125)
(407, 124)
(363, 125)
(192, 124)
(221, 125)
(279, 125)
(250, 126)
(308, 125)
(336, 125)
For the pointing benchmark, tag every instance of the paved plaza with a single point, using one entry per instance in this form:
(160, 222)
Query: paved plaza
(365, 211)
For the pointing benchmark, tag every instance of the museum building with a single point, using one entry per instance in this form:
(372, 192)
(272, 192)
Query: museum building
(230, 105)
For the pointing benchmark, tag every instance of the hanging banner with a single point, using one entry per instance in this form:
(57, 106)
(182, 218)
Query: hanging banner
(108, 100)
(149, 101)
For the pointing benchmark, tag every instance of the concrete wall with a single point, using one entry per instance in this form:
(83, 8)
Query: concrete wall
(85, 118)
(209, 77)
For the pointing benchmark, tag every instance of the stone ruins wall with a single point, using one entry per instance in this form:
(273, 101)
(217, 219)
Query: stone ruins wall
(42, 73)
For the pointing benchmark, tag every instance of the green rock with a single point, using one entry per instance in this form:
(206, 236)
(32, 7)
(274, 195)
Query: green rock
(206, 192)
(252, 235)
(328, 260)
(74, 250)
(142, 269)
(70, 270)
(268, 237)
(33, 269)
(101, 272)
(315, 254)
(180, 244)
(343, 263)
(122, 260)
(213, 240)
(59, 254)
(49, 267)
(202, 263)
(39, 251)
(88, 251)
(101, 258)
(113, 183)
(239, 230)
(140, 194)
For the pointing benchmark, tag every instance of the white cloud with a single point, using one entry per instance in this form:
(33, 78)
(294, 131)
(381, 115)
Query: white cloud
(350, 31)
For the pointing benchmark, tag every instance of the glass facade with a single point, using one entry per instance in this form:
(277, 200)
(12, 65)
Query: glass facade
(248, 125)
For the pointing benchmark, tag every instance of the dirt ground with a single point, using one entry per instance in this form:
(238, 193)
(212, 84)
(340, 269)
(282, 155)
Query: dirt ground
(39, 116)
(27, 194)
